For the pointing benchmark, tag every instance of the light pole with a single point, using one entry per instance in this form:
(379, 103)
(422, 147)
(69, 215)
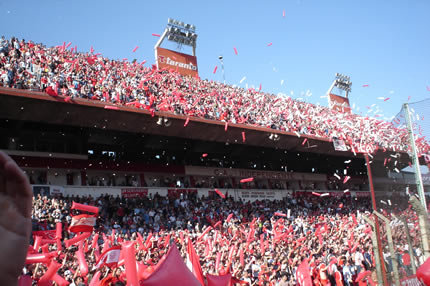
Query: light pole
(222, 66)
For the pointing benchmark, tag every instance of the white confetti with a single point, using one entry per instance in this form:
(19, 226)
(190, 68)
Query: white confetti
(346, 191)
(324, 195)
(242, 79)
(383, 202)
(389, 202)
(397, 170)
(347, 161)
(282, 81)
(337, 176)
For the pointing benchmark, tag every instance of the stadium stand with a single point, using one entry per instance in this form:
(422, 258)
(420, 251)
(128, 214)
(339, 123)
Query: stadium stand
(62, 72)
(257, 241)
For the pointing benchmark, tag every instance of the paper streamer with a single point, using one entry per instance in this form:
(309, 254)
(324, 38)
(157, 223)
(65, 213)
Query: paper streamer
(96, 279)
(52, 269)
(83, 266)
(60, 280)
(38, 258)
(216, 67)
(37, 243)
(76, 239)
(58, 230)
(130, 263)
(87, 208)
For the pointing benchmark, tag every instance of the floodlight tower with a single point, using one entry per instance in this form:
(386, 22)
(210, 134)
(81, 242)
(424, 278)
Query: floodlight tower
(339, 102)
(180, 33)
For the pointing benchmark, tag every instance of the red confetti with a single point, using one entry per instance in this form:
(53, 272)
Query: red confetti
(304, 141)
(365, 85)
(216, 67)
(428, 88)
(226, 126)
(235, 50)
(269, 44)
(156, 35)
(243, 137)
(247, 180)
(279, 214)
(259, 88)
(346, 179)
(316, 194)
(386, 99)
(135, 49)
(283, 13)
(111, 107)
(204, 155)
(186, 121)
(220, 193)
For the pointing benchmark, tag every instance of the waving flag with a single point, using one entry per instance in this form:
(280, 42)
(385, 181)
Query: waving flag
(193, 263)
(109, 258)
(82, 223)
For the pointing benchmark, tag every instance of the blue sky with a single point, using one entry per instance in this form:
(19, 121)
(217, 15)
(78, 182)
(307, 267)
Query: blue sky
(383, 44)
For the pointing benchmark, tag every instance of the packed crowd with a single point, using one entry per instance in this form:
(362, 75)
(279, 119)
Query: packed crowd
(63, 71)
(261, 243)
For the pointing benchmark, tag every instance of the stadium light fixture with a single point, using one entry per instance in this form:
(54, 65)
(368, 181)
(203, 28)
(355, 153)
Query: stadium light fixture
(163, 121)
(160, 121)
(180, 33)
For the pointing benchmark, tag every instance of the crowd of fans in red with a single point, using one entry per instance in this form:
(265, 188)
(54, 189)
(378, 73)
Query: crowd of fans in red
(328, 233)
(63, 71)
(270, 239)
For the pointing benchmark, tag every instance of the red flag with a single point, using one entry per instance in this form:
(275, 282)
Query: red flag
(220, 193)
(193, 263)
(109, 258)
(82, 223)
(303, 274)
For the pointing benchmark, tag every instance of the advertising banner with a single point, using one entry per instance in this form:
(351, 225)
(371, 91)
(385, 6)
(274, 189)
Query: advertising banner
(134, 192)
(339, 103)
(182, 63)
